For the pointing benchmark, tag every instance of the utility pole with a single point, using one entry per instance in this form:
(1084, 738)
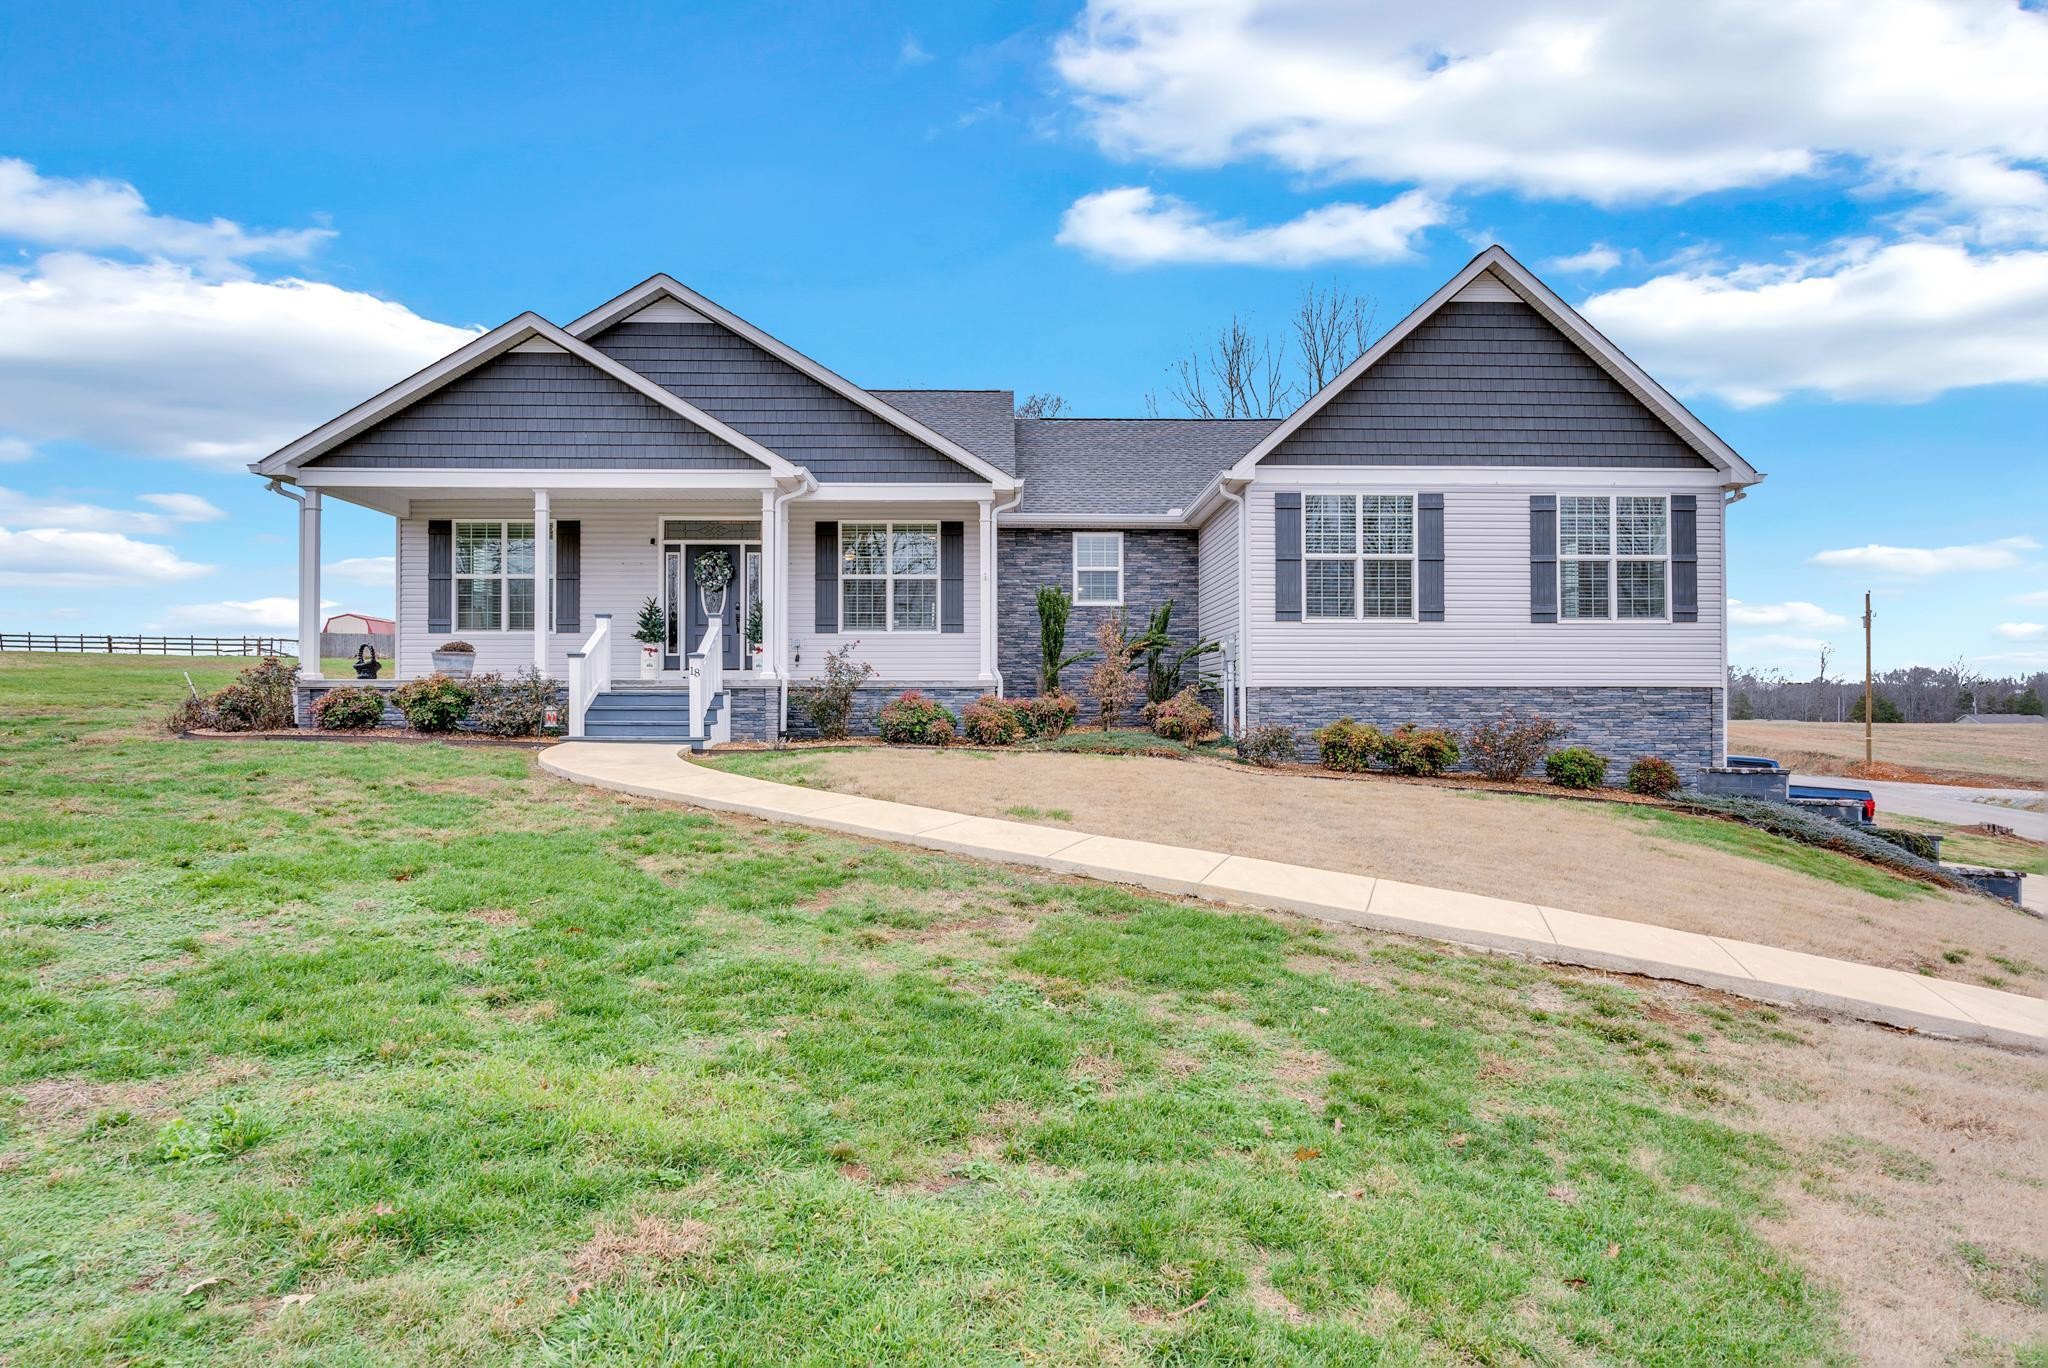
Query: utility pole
(1869, 715)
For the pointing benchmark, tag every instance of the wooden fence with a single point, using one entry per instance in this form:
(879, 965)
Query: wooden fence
(105, 643)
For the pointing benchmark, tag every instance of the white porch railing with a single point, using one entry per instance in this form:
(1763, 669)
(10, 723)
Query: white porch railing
(707, 676)
(590, 672)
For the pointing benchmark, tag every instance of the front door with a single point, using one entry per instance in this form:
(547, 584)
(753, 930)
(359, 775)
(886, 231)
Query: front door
(730, 611)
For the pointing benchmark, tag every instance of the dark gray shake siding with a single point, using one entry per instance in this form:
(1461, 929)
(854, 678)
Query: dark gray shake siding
(1624, 724)
(1158, 566)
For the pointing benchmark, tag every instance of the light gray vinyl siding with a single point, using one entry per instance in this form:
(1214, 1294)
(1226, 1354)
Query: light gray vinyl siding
(620, 570)
(1486, 638)
(918, 657)
(536, 410)
(777, 405)
(1486, 384)
(1218, 576)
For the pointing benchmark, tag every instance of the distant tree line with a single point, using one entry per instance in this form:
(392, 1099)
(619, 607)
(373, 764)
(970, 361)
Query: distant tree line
(1919, 693)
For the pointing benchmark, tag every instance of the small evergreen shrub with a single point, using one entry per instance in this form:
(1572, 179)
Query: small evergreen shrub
(512, 705)
(1922, 843)
(348, 709)
(1183, 717)
(911, 719)
(1267, 746)
(991, 721)
(1410, 749)
(433, 703)
(1048, 716)
(1795, 824)
(1576, 767)
(829, 705)
(1654, 776)
(1349, 746)
(1510, 745)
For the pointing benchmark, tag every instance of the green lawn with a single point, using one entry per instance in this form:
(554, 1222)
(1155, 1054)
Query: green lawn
(406, 1054)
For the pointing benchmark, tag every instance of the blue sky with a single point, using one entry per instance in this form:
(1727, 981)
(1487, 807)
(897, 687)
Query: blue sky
(221, 225)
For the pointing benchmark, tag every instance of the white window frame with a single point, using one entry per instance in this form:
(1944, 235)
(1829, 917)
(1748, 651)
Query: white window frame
(888, 578)
(1074, 556)
(1614, 558)
(1358, 555)
(504, 577)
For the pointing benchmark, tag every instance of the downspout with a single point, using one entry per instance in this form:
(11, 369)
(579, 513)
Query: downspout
(779, 512)
(1244, 598)
(989, 605)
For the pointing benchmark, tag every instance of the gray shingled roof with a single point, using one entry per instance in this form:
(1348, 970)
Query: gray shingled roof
(979, 420)
(1138, 466)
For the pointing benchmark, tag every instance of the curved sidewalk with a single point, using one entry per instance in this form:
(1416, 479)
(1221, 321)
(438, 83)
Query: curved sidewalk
(1762, 972)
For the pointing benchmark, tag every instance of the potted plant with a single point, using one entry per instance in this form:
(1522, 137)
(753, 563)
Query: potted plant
(456, 659)
(651, 632)
(714, 573)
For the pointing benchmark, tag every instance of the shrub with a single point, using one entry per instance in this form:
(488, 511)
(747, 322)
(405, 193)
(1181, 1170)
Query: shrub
(991, 721)
(260, 699)
(1183, 717)
(191, 713)
(433, 703)
(1925, 844)
(1654, 776)
(1266, 746)
(1782, 819)
(1166, 664)
(515, 705)
(1048, 716)
(1510, 745)
(911, 719)
(1420, 750)
(1055, 606)
(349, 709)
(1349, 746)
(1576, 767)
(456, 648)
(1113, 684)
(829, 705)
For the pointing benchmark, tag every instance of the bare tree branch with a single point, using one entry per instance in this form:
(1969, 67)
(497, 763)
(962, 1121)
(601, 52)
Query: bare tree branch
(1332, 328)
(1243, 375)
(1044, 404)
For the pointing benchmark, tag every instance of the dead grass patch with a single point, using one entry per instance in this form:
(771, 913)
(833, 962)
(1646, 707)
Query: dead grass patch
(1268, 1298)
(650, 1243)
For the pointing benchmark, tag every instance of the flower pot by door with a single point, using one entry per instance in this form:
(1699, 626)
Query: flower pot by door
(650, 660)
(455, 664)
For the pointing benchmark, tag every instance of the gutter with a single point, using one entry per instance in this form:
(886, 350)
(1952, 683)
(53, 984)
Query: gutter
(779, 511)
(988, 611)
(1244, 594)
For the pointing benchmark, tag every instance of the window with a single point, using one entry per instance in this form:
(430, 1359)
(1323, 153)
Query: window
(1613, 557)
(1358, 555)
(889, 577)
(494, 577)
(1099, 568)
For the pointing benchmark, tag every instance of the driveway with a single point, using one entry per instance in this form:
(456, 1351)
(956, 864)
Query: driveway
(1948, 803)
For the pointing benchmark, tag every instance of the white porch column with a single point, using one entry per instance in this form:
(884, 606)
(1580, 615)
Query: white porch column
(543, 579)
(309, 585)
(988, 591)
(771, 586)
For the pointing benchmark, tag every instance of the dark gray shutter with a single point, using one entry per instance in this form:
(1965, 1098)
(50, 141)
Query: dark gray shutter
(1429, 557)
(1685, 558)
(828, 577)
(569, 576)
(440, 576)
(1287, 556)
(1543, 558)
(952, 577)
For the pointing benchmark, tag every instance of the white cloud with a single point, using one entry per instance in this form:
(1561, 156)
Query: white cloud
(275, 614)
(1796, 613)
(1604, 100)
(2021, 631)
(27, 510)
(50, 211)
(2002, 554)
(377, 570)
(1133, 226)
(1900, 322)
(157, 359)
(14, 449)
(2032, 596)
(1595, 260)
(61, 558)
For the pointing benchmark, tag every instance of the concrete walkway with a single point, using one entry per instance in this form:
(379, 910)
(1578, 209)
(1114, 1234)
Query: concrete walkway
(1762, 972)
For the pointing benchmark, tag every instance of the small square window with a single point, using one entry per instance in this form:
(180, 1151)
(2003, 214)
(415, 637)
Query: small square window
(1329, 524)
(1389, 588)
(917, 605)
(1582, 528)
(864, 605)
(863, 549)
(1389, 525)
(915, 550)
(1332, 589)
(1585, 589)
(1639, 589)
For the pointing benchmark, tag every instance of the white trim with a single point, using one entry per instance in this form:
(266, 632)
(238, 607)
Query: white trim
(1106, 522)
(1074, 565)
(1614, 558)
(889, 576)
(505, 337)
(1538, 296)
(543, 577)
(1536, 479)
(1358, 555)
(516, 481)
(903, 493)
(637, 298)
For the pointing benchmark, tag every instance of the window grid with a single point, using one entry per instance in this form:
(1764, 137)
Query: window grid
(1614, 558)
(494, 576)
(1099, 568)
(889, 577)
(1358, 556)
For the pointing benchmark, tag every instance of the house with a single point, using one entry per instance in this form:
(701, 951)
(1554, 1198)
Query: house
(1493, 507)
(2003, 719)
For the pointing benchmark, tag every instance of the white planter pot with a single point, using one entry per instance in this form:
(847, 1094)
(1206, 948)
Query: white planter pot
(455, 664)
(650, 660)
(713, 601)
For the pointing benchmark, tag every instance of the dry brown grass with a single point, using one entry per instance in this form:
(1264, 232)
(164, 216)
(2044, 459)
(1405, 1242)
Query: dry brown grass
(1588, 857)
(2001, 756)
